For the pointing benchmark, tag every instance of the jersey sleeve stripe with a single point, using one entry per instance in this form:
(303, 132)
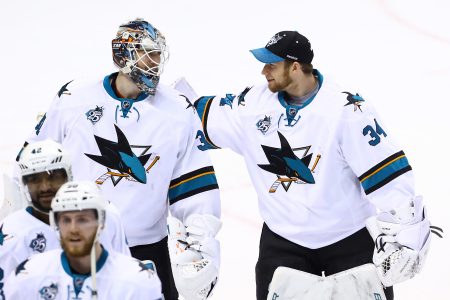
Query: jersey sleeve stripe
(190, 175)
(384, 172)
(202, 105)
(195, 182)
(192, 186)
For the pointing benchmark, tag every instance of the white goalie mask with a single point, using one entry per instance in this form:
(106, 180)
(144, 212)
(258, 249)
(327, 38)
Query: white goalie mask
(39, 157)
(140, 52)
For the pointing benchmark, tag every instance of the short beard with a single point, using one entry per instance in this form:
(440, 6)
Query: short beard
(281, 86)
(77, 251)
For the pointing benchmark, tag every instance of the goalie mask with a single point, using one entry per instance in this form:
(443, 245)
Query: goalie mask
(139, 51)
(43, 159)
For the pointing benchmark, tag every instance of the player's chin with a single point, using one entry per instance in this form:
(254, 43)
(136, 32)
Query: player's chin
(76, 248)
(78, 251)
(273, 87)
(46, 201)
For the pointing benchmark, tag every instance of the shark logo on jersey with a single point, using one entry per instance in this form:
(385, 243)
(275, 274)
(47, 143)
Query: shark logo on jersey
(287, 166)
(355, 100)
(188, 102)
(228, 100)
(241, 97)
(3, 236)
(49, 292)
(94, 115)
(39, 243)
(64, 90)
(120, 157)
(21, 267)
(263, 125)
(147, 265)
(41, 120)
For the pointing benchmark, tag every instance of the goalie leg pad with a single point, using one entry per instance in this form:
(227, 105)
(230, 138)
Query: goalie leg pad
(357, 283)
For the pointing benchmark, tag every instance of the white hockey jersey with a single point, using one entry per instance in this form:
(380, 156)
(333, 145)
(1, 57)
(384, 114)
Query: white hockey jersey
(144, 153)
(48, 276)
(22, 235)
(320, 169)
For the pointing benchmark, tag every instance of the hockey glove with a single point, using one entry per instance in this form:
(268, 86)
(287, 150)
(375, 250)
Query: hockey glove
(194, 255)
(401, 249)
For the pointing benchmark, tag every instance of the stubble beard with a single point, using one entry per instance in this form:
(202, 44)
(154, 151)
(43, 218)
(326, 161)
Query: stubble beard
(276, 87)
(78, 251)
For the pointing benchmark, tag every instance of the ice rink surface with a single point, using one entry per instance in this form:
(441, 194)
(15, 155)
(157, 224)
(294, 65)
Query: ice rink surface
(394, 53)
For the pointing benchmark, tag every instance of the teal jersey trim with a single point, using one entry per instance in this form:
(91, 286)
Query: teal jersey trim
(283, 102)
(110, 91)
(78, 279)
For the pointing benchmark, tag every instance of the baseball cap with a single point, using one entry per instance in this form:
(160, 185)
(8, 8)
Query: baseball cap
(285, 45)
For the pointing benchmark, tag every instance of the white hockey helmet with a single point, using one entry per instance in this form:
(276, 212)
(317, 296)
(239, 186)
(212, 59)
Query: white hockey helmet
(78, 196)
(38, 157)
(44, 156)
(134, 36)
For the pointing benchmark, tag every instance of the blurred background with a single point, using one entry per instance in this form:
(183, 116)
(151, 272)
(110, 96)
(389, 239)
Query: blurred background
(394, 53)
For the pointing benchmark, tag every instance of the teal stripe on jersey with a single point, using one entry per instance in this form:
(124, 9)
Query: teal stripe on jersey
(192, 186)
(202, 106)
(385, 174)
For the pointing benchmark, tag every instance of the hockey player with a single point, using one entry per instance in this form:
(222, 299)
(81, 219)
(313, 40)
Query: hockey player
(137, 138)
(322, 163)
(83, 269)
(45, 166)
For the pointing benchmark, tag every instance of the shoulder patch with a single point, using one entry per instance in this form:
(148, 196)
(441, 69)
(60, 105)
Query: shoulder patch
(189, 103)
(64, 90)
(21, 267)
(355, 100)
(148, 266)
(241, 97)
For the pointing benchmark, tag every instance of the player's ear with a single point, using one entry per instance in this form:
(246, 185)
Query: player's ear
(296, 67)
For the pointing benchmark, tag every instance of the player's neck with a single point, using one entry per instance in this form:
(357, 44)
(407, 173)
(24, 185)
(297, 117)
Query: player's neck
(124, 87)
(43, 217)
(302, 86)
(82, 265)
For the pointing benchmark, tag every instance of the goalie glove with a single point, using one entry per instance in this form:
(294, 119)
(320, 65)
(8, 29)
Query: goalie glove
(401, 248)
(194, 255)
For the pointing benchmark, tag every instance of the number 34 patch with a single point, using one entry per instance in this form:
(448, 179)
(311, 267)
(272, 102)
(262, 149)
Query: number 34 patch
(375, 134)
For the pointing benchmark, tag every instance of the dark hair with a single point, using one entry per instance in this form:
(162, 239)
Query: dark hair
(306, 68)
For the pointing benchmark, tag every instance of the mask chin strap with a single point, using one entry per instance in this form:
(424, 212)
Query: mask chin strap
(40, 209)
(94, 265)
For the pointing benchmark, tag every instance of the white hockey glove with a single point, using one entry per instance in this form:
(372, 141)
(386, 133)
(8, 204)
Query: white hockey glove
(402, 239)
(194, 255)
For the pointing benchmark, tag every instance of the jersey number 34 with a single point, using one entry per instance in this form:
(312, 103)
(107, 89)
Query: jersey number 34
(374, 133)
